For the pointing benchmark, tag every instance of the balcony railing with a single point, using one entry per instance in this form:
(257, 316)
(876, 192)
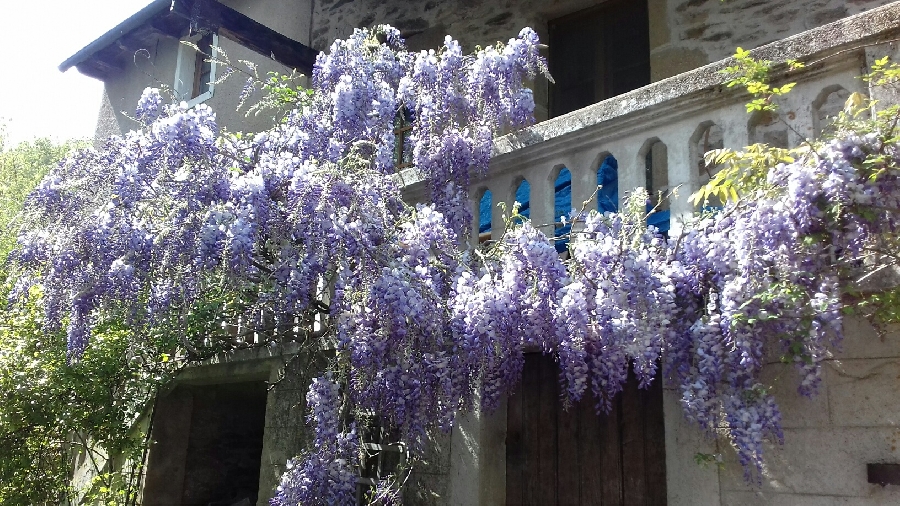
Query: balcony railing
(659, 133)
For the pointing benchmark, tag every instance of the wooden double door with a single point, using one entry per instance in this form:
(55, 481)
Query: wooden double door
(576, 457)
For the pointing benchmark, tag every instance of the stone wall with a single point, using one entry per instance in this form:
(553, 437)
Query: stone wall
(286, 432)
(829, 439)
(685, 34)
(703, 31)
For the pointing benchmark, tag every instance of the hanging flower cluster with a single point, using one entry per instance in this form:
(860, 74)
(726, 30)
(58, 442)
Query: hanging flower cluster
(327, 473)
(618, 308)
(140, 222)
(307, 221)
(501, 307)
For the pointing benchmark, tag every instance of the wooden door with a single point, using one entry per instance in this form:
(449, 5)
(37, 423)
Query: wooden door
(576, 457)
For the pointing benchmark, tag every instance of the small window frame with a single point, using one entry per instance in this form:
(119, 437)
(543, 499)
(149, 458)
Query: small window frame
(186, 71)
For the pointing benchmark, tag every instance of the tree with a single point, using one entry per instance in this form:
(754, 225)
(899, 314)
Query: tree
(49, 411)
(176, 230)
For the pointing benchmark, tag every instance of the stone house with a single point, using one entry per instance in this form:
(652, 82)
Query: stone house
(635, 79)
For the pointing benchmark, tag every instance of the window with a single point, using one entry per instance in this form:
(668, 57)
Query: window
(598, 53)
(402, 129)
(194, 75)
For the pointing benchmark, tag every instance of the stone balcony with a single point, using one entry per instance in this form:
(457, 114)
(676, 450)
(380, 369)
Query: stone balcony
(677, 119)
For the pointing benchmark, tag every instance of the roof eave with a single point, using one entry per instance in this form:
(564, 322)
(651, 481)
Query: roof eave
(172, 18)
(123, 28)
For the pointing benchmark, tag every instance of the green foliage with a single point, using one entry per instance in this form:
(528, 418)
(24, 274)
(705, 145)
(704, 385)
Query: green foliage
(744, 172)
(741, 172)
(884, 72)
(51, 413)
(754, 76)
(705, 460)
(280, 92)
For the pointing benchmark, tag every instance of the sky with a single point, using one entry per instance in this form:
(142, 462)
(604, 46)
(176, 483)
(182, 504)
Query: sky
(36, 99)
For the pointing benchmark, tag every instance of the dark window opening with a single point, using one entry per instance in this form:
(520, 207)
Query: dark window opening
(598, 53)
(523, 197)
(608, 185)
(657, 185)
(485, 210)
(382, 457)
(711, 138)
(208, 446)
(203, 67)
(403, 154)
(562, 191)
(766, 128)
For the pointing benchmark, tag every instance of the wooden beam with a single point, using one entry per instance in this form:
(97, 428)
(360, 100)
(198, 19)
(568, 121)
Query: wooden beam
(209, 14)
(171, 25)
(99, 68)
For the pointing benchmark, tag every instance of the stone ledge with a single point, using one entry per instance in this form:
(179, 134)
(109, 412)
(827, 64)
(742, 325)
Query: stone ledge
(240, 365)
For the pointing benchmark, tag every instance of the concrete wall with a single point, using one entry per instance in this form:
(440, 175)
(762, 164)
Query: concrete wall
(155, 67)
(151, 67)
(225, 97)
(291, 18)
(829, 439)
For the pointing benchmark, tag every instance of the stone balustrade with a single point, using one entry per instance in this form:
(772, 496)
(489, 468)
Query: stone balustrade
(664, 128)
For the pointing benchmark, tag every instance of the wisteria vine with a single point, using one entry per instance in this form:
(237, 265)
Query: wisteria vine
(306, 222)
